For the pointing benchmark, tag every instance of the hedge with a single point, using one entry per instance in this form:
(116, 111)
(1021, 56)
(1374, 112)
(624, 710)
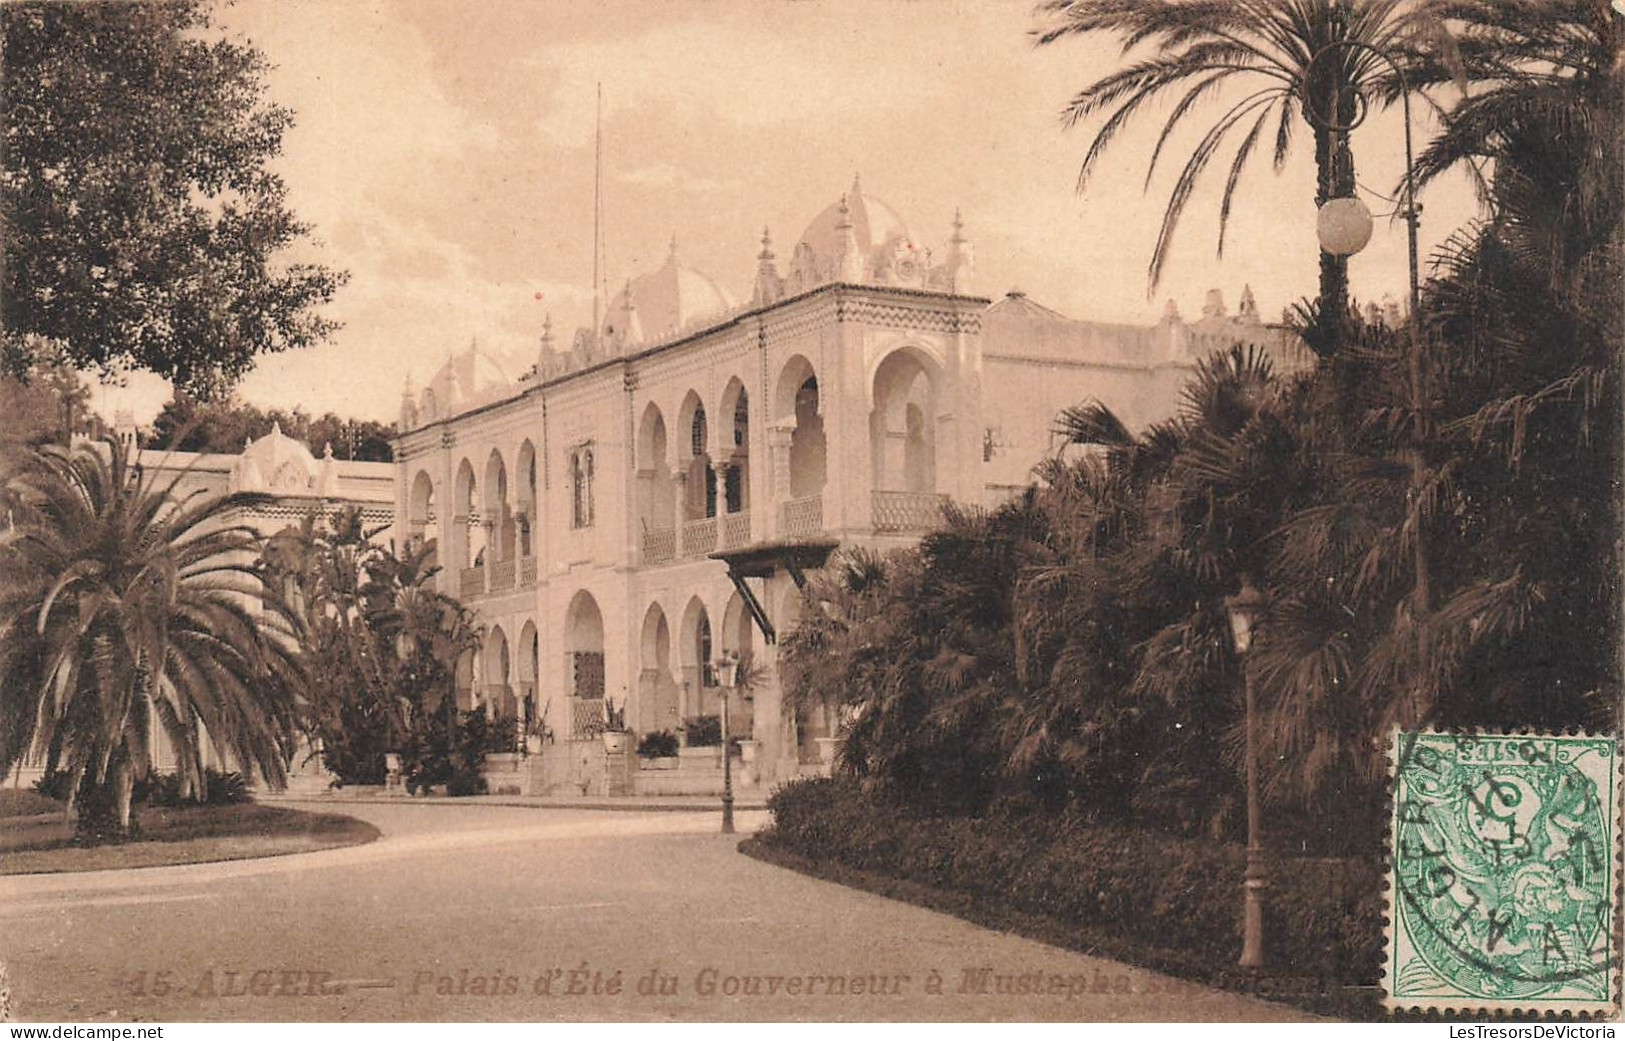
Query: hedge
(1163, 892)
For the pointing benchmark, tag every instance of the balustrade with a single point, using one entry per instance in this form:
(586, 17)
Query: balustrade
(699, 537)
(803, 516)
(735, 529)
(659, 546)
(907, 511)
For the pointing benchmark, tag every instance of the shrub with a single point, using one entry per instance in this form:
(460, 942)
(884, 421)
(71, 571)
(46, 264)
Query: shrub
(658, 744)
(221, 788)
(465, 782)
(1177, 895)
(703, 731)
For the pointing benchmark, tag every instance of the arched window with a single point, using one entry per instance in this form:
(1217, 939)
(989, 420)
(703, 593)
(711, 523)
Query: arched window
(581, 487)
(696, 445)
(741, 419)
(702, 650)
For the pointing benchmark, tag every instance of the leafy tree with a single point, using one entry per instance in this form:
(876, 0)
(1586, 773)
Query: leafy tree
(50, 404)
(143, 225)
(1262, 51)
(122, 608)
(190, 425)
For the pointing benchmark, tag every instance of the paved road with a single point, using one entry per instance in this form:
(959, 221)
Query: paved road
(499, 913)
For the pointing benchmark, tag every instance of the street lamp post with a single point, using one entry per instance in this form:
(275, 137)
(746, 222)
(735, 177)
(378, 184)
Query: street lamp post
(727, 673)
(1245, 609)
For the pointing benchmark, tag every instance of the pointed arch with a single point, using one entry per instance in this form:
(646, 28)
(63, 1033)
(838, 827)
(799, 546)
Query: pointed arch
(659, 703)
(529, 478)
(467, 536)
(733, 438)
(694, 451)
(584, 645)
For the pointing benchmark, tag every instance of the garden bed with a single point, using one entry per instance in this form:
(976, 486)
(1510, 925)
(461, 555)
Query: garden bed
(1167, 904)
(43, 842)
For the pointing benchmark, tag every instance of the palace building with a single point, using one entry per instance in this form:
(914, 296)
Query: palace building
(650, 496)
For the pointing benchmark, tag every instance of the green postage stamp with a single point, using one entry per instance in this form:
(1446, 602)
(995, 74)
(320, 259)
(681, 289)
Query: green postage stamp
(1504, 870)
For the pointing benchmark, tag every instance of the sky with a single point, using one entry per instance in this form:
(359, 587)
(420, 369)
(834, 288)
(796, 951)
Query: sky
(444, 152)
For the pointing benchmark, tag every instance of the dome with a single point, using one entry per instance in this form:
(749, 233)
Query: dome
(276, 463)
(663, 301)
(465, 378)
(874, 224)
(859, 239)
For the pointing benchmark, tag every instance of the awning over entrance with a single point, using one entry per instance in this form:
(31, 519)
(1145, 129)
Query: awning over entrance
(762, 559)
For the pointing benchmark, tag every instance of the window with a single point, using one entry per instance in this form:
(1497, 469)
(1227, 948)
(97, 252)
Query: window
(734, 487)
(741, 420)
(581, 487)
(696, 441)
(708, 676)
(589, 673)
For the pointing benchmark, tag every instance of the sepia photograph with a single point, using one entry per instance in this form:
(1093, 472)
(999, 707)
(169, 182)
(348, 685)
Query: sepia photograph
(811, 511)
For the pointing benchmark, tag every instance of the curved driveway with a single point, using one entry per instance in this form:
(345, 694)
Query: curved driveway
(504, 913)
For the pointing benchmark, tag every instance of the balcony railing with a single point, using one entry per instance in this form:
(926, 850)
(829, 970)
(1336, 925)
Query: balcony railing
(502, 575)
(586, 716)
(527, 571)
(699, 537)
(907, 511)
(471, 582)
(735, 529)
(804, 516)
(659, 546)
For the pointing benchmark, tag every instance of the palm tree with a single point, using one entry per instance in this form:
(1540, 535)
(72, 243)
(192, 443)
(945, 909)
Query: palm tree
(1524, 320)
(380, 644)
(1259, 50)
(122, 607)
(1203, 494)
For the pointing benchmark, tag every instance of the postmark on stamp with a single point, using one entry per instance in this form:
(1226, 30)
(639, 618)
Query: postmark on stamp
(1503, 873)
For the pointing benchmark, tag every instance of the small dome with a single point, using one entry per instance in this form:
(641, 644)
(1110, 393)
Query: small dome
(277, 463)
(858, 238)
(875, 225)
(470, 377)
(665, 300)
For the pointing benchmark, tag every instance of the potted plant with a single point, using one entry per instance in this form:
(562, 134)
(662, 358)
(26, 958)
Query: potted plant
(616, 736)
(537, 732)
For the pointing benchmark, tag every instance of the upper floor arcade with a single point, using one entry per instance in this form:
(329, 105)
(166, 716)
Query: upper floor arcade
(847, 411)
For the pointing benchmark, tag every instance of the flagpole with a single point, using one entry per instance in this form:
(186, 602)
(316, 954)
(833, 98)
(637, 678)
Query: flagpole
(597, 205)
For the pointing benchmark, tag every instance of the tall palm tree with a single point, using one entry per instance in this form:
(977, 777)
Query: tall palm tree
(1260, 51)
(122, 606)
(1207, 490)
(1524, 319)
(381, 646)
